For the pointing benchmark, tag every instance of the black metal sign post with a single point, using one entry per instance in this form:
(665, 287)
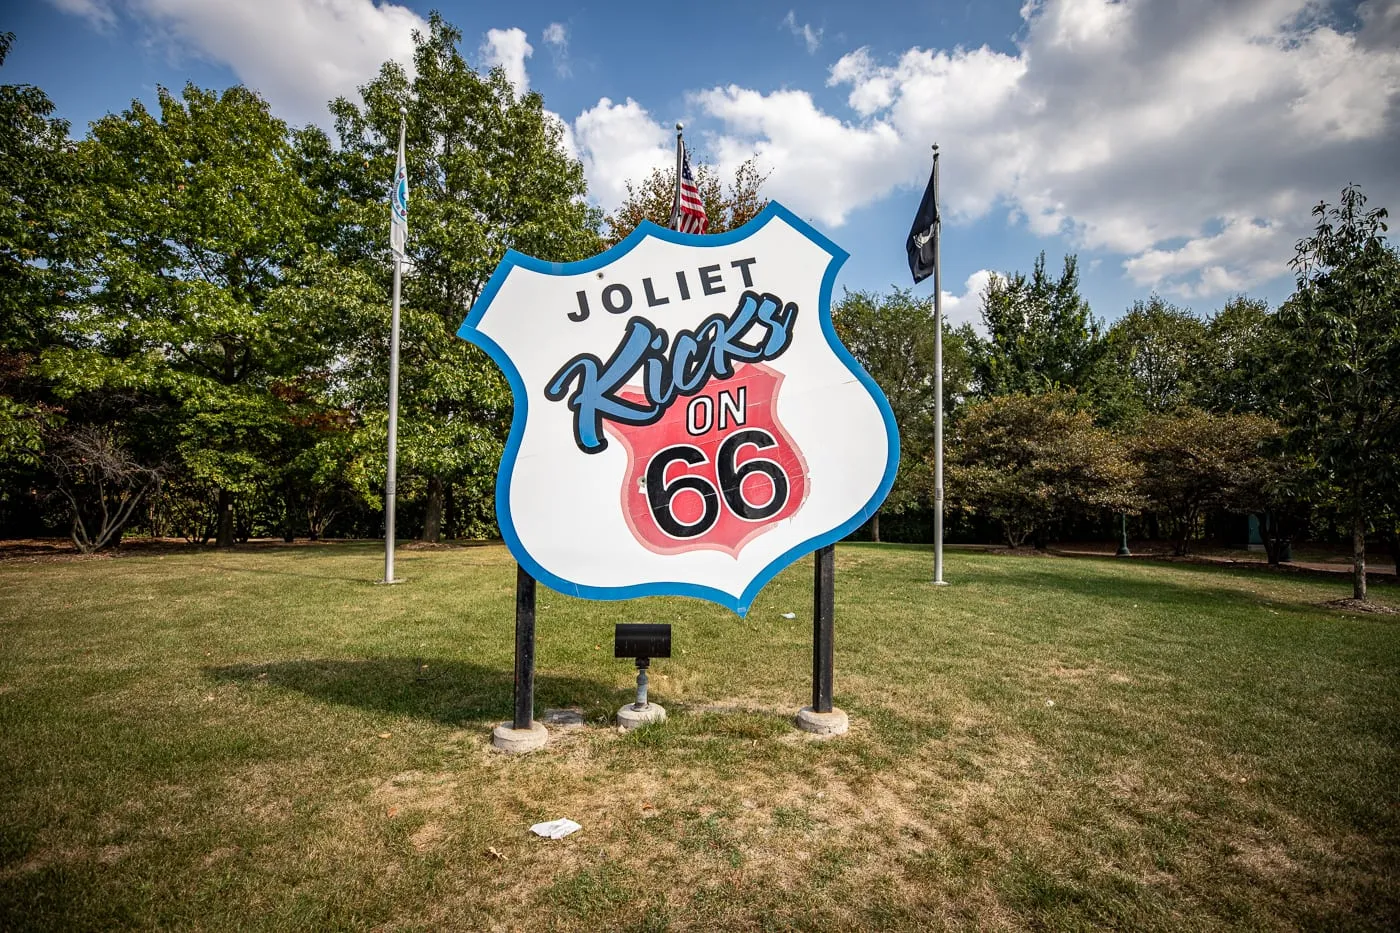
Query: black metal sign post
(823, 651)
(524, 649)
(523, 733)
(822, 717)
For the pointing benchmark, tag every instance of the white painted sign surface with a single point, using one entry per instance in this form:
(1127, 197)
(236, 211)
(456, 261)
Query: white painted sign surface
(686, 421)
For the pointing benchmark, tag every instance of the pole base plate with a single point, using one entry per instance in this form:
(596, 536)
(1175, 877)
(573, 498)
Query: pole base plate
(835, 722)
(506, 738)
(629, 717)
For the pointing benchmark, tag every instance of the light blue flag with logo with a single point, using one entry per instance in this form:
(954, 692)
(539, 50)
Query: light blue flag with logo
(398, 203)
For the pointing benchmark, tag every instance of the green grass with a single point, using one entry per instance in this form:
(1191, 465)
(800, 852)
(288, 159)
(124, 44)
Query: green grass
(263, 739)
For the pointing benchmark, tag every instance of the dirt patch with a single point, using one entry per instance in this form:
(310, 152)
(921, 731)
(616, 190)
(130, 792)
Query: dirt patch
(427, 836)
(416, 790)
(1351, 604)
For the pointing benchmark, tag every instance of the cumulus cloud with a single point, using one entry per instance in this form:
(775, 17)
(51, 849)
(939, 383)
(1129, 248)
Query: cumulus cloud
(810, 37)
(556, 36)
(299, 54)
(509, 48)
(97, 12)
(1188, 137)
(619, 143)
(967, 307)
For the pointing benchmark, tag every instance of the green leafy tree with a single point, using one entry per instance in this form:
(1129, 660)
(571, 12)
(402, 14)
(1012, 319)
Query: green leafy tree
(1040, 333)
(205, 290)
(1192, 461)
(1339, 364)
(487, 172)
(1159, 350)
(1028, 462)
(726, 206)
(1239, 355)
(892, 337)
(36, 239)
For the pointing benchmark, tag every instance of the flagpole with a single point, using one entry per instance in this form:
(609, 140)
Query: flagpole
(391, 479)
(938, 385)
(676, 199)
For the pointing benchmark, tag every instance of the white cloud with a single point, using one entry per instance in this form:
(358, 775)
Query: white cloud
(299, 54)
(619, 143)
(509, 48)
(1188, 137)
(98, 12)
(967, 307)
(810, 37)
(556, 36)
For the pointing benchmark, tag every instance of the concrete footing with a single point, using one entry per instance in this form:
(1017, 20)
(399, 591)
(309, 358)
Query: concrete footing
(835, 722)
(513, 741)
(629, 717)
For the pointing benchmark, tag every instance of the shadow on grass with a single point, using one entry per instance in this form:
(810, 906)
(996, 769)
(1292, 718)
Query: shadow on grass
(451, 692)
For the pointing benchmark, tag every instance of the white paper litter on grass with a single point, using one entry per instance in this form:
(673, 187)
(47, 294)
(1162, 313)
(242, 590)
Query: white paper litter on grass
(555, 829)
(789, 615)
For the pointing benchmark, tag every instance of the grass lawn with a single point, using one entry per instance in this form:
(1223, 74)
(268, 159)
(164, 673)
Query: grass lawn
(263, 739)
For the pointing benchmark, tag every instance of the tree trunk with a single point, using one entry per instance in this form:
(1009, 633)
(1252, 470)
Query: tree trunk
(224, 537)
(289, 531)
(1358, 556)
(875, 527)
(432, 520)
(451, 524)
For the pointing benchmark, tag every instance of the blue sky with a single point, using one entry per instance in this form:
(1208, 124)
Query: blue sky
(1175, 145)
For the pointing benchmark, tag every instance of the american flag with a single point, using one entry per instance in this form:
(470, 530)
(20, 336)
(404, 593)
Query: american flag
(688, 213)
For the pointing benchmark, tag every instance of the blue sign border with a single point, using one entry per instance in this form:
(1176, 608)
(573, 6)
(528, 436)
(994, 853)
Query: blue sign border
(740, 605)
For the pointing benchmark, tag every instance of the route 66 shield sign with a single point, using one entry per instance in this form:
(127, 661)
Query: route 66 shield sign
(686, 421)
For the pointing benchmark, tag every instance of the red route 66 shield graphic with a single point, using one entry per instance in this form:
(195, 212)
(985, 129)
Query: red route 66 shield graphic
(685, 420)
(714, 472)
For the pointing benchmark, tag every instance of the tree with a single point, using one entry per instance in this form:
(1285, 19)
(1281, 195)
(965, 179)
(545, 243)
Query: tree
(40, 173)
(1040, 333)
(1193, 460)
(102, 482)
(1029, 461)
(1159, 349)
(487, 172)
(204, 289)
(652, 198)
(892, 337)
(1339, 364)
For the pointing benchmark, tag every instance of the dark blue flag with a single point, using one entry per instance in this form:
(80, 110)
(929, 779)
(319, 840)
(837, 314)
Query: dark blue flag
(922, 234)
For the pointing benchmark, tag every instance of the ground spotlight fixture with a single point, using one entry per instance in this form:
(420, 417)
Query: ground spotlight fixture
(642, 642)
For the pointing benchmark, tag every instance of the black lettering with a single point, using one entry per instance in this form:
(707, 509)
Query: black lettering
(617, 289)
(743, 266)
(710, 280)
(685, 289)
(652, 300)
(582, 313)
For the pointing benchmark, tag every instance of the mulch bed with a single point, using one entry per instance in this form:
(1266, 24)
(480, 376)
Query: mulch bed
(1351, 604)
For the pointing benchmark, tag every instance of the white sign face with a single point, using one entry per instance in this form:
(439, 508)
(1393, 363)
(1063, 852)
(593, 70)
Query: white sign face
(686, 421)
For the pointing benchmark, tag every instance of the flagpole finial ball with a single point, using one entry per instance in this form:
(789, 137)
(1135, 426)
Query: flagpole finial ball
(403, 112)
(679, 127)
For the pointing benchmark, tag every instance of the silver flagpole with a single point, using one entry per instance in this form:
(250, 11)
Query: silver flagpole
(391, 480)
(938, 385)
(676, 199)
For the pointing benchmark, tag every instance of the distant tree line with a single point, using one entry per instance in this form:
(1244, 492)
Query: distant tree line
(1056, 423)
(195, 337)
